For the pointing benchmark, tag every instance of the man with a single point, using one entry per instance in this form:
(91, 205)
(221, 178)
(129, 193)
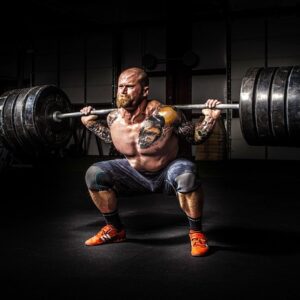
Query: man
(146, 132)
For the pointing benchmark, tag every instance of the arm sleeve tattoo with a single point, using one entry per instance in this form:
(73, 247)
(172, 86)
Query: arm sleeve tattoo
(196, 133)
(100, 129)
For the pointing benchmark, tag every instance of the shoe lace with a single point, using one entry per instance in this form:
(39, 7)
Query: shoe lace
(105, 230)
(199, 241)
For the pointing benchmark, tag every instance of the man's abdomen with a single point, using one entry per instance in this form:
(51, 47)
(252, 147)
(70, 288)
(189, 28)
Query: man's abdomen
(156, 157)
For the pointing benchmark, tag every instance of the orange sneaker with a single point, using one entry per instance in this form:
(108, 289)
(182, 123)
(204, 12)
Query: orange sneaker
(107, 234)
(199, 246)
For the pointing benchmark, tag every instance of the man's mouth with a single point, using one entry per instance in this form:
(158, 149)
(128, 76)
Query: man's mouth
(123, 101)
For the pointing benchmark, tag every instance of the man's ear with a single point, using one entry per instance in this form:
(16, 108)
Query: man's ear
(146, 91)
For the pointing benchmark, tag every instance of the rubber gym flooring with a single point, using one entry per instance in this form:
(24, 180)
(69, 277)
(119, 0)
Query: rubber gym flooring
(251, 218)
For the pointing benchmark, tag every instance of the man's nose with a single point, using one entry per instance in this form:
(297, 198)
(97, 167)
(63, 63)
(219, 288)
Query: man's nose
(124, 90)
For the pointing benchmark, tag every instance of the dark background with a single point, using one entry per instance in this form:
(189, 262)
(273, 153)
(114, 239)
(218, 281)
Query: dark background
(252, 199)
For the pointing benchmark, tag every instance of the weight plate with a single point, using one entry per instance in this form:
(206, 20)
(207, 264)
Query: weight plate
(246, 110)
(262, 106)
(19, 123)
(7, 122)
(40, 106)
(278, 105)
(293, 106)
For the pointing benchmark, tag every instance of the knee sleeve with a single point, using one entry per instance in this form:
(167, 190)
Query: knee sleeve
(182, 176)
(97, 179)
(186, 183)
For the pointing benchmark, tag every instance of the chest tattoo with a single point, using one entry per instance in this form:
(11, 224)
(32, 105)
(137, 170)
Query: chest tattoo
(151, 131)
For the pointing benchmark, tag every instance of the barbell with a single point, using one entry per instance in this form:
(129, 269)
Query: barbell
(40, 118)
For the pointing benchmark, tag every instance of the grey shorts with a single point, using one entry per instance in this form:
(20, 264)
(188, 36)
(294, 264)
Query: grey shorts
(178, 176)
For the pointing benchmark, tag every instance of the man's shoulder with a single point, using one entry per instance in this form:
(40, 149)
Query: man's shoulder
(112, 116)
(153, 104)
(156, 105)
(170, 114)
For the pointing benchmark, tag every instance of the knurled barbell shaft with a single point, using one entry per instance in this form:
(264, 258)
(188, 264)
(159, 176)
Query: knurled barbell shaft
(57, 116)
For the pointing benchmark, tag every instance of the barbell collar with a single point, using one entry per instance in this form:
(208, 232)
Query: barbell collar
(58, 116)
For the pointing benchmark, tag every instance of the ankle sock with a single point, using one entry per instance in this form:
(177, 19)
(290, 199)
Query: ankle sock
(195, 223)
(113, 219)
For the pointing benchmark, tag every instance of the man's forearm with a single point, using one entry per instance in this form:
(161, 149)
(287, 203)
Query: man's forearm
(204, 129)
(100, 130)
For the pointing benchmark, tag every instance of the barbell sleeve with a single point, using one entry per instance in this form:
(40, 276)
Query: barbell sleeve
(57, 116)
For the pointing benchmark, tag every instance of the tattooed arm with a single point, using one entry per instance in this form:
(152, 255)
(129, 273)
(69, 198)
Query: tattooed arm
(96, 126)
(103, 132)
(197, 133)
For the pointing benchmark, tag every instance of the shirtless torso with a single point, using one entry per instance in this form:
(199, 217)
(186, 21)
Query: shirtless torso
(146, 131)
(148, 141)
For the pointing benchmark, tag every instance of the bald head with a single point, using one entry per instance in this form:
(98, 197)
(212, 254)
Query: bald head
(133, 88)
(139, 73)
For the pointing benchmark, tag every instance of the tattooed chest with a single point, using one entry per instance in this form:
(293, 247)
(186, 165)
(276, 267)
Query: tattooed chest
(152, 129)
(150, 135)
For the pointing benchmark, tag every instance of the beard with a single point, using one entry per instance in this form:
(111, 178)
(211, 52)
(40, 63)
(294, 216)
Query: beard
(123, 101)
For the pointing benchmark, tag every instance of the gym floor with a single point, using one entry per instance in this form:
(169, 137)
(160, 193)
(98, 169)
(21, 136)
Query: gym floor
(251, 218)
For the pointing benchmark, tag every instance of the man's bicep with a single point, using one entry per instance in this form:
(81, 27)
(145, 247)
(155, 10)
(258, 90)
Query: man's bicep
(111, 117)
(186, 129)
